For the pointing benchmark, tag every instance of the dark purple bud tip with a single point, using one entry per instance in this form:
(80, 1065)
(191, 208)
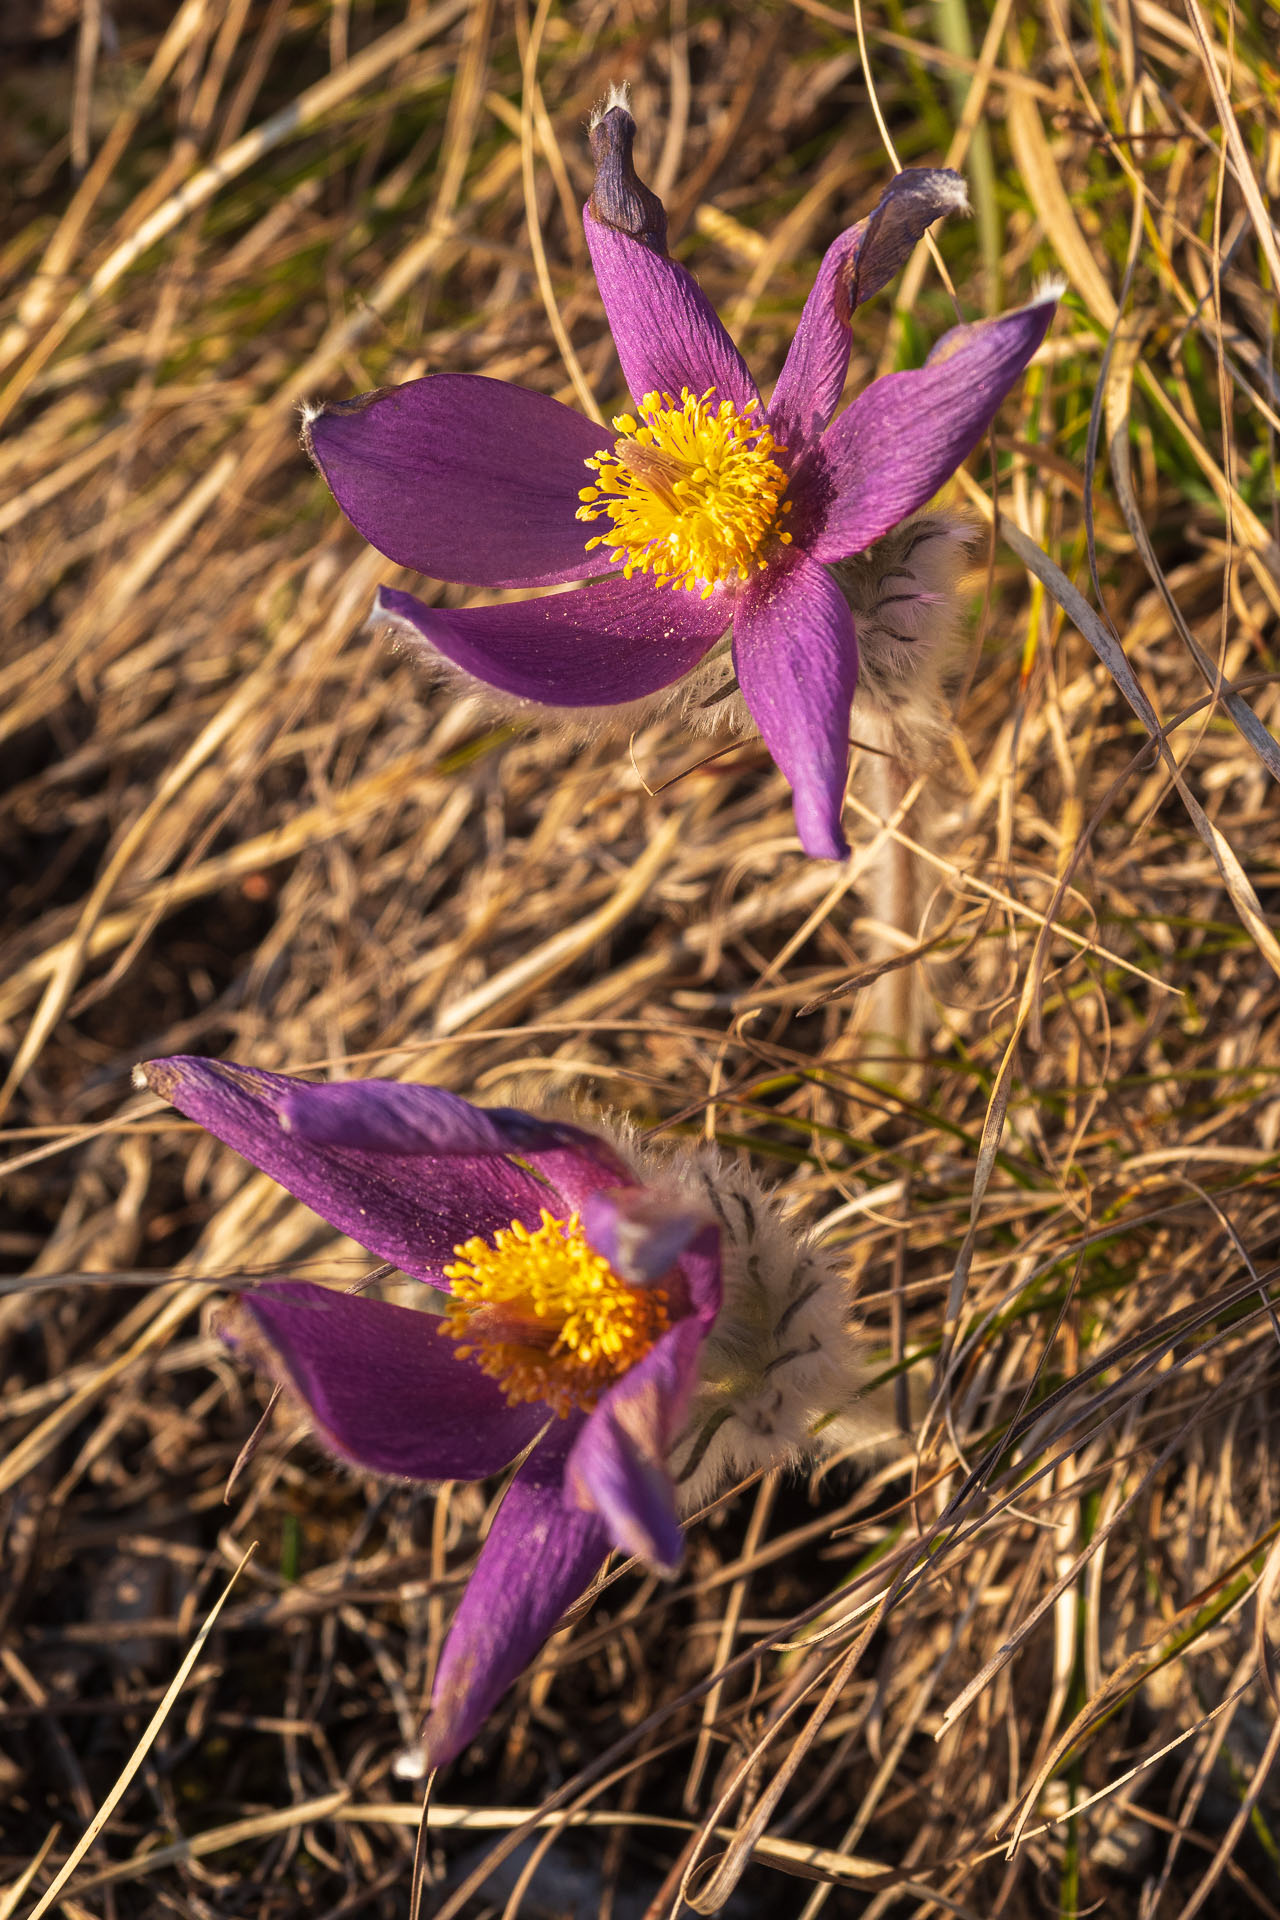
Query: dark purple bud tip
(619, 197)
(155, 1076)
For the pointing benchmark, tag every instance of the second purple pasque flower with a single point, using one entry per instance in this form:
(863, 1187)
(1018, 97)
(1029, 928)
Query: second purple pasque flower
(631, 1334)
(703, 510)
(578, 1304)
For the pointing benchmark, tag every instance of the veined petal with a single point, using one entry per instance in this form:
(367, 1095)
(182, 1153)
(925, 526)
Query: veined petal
(539, 1556)
(905, 435)
(858, 264)
(462, 477)
(384, 1385)
(612, 641)
(411, 1210)
(617, 1467)
(641, 1232)
(797, 659)
(666, 331)
(395, 1117)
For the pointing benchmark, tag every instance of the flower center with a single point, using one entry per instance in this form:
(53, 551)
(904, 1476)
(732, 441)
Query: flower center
(691, 488)
(545, 1315)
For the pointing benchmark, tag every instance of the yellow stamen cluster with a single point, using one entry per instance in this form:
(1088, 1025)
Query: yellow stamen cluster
(691, 488)
(546, 1316)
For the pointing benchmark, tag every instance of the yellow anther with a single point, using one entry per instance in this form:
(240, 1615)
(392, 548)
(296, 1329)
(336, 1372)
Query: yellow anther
(546, 1316)
(691, 493)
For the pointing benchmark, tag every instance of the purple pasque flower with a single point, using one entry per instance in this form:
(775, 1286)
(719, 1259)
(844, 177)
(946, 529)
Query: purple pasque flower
(579, 1300)
(703, 509)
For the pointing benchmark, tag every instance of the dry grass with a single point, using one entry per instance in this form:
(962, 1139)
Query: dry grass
(1028, 1668)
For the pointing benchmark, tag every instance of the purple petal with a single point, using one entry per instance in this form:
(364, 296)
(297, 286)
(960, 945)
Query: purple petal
(700, 1266)
(797, 661)
(906, 434)
(578, 1171)
(412, 1211)
(392, 1116)
(384, 1384)
(618, 1464)
(388, 1116)
(667, 332)
(665, 329)
(858, 264)
(539, 1556)
(640, 1232)
(462, 477)
(613, 641)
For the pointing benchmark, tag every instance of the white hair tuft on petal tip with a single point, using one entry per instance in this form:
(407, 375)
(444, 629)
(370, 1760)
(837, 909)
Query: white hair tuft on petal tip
(619, 95)
(1050, 286)
(960, 201)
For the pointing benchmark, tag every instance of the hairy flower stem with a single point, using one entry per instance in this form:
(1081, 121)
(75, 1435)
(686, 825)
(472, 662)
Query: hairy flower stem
(895, 1005)
(903, 595)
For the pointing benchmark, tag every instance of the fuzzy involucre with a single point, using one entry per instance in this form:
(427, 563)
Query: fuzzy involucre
(782, 1372)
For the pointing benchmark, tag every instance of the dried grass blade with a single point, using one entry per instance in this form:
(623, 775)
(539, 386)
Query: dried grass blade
(1241, 166)
(141, 1751)
(44, 283)
(1225, 1853)
(573, 366)
(197, 1846)
(1137, 1667)
(1119, 387)
(71, 958)
(866, 976)
(536, 968)
(202, 187)
(10, 1895)
(37, 1444)
(1044, 188)
(1108, 649)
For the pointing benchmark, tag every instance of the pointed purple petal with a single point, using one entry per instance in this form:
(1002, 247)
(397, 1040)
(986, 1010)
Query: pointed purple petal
(858, 264)
(613, 641)
(667, 332)
(618, 1464)
(906, 434)
(394, 1116)
(797, 662)
(463, 477)
(700, 1266)
(539, 1556)
(384, 1384)
(665, 329)
(412, 1211)
(640, 1232)
(389, 1116)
